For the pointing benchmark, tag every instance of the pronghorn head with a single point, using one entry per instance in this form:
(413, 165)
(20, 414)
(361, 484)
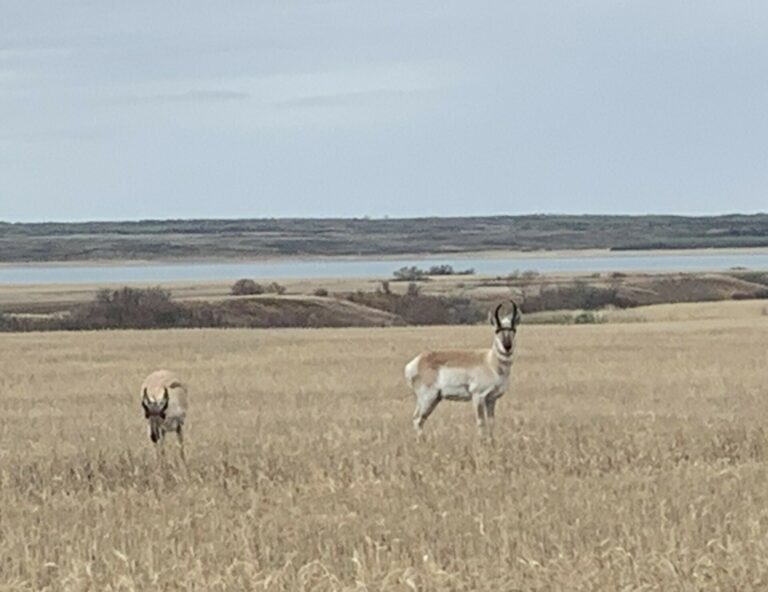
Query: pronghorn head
(506, 327)
(154, 411)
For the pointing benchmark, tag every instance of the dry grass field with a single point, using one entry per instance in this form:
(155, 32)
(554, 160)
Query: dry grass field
(628, 457)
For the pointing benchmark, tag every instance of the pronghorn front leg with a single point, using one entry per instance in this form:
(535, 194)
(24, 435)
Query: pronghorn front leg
(490, 406)
(180, 437)
(160, 448)
(480, 402)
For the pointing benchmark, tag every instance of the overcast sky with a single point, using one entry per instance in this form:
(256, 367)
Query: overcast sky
(146, 109)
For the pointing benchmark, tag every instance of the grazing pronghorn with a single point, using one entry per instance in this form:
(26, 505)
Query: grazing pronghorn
(164, 399)
(480, 376)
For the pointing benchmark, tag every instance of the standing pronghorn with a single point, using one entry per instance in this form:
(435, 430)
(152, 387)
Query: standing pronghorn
(480, 376)
(164, 399)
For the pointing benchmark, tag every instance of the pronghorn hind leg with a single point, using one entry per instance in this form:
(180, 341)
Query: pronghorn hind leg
(425, 405)
(416, 413)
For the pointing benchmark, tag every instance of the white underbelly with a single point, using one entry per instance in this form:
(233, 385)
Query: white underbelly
(456, 393)
(455, 384)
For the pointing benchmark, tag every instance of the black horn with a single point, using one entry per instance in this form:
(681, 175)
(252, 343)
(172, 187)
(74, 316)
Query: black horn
(515, 313)
(165, 399)
(145, 403)
(496, 315)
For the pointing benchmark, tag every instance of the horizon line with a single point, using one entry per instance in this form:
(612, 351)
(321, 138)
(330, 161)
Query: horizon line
(366, 218)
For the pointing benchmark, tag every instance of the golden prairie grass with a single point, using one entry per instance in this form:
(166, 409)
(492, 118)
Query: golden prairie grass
(628, 457)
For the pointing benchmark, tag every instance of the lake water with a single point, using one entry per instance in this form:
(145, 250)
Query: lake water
(376, 268)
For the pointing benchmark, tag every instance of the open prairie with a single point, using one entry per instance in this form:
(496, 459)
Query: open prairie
(628, 457)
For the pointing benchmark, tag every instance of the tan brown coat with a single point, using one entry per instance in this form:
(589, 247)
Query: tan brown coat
(479, 376)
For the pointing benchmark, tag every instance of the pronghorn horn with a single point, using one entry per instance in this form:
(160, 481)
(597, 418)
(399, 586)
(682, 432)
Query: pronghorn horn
(496, 315)
(515, 312)
(165, 398)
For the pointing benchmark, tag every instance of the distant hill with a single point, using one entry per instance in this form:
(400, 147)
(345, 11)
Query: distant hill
(239, 239)
(456, 301)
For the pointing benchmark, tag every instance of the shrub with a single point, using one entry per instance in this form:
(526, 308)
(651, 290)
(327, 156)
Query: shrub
(128, 308)
(6, 322)
(246, 287)
(587, 317)
(440, 270)
(448, 270)
(410, 274)
(413, 289)
(321, 292)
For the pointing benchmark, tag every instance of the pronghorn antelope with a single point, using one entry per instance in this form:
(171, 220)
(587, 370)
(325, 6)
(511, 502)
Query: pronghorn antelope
(480, 376)
(164, 399)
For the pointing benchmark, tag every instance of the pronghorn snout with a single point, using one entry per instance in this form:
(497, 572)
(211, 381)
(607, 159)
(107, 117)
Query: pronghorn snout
(150, 413)
(506, 341)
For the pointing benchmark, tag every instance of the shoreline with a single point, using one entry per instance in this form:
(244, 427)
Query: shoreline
(426, 257)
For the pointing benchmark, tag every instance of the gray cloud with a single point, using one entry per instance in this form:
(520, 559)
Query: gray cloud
(207, 95)
(348, 98)
(193, 96)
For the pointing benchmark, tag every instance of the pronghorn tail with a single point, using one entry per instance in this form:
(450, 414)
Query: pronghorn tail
(412, 370)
